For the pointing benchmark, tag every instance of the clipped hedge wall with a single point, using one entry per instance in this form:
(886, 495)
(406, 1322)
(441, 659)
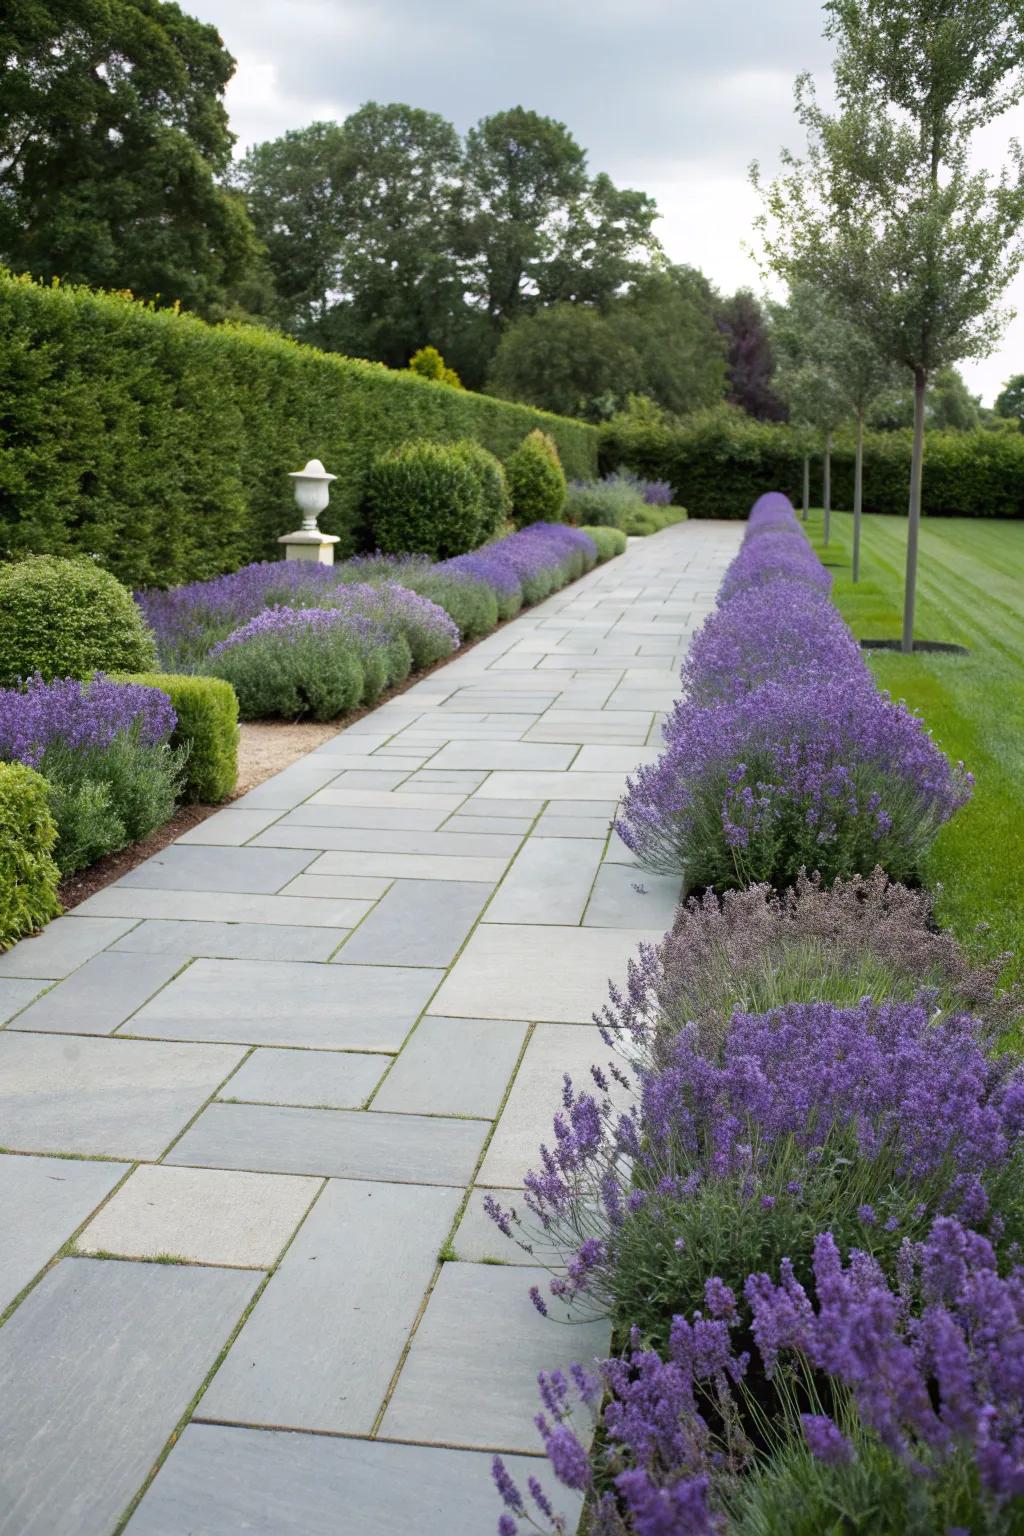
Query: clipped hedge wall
(207, 711)
(28, 874)
(719, 462)
(161, 445)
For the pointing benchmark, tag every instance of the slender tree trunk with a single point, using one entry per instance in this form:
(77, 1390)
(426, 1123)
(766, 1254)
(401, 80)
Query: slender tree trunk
(914, 520)
(807, 486)
(827, 496)
(858, 482)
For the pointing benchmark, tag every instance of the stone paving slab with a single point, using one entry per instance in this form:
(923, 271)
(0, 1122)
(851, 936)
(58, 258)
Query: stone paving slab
(230, 941)
(281, 1002)
(407, 1149)
(480, 844)
(418, 922)
(548, 883)
(453, 1067)
(306, 1079)
(364, 816)
(222, 906)
(471, 1374)
(256, 871)
(229, 828)
(201, 1215)
(85, 1424)
(222, 1481)
(322, 1343)
(625, 897)
(553, 1051)
(103, 1097)
(16, 995)
(44, 1200)
(479, 1240)
(551, 786)
(411, 866)
(100, 995)
(65, 945)
(510, 971)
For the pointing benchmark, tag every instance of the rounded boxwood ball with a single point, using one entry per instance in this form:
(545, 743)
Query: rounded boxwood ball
(68, 618)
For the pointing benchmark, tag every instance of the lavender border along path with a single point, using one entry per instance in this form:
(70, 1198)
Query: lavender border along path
(285, 1056)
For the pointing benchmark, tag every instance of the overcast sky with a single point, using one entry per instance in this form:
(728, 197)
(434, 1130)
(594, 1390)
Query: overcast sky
(673, 96)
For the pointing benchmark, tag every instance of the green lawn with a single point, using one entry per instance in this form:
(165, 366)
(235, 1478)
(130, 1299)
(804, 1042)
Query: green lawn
(970, 590)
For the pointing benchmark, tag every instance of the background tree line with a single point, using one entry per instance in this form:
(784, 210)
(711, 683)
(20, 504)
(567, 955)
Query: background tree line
(538, 280)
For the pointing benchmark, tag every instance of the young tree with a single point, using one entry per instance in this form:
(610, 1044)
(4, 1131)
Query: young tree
(112, 136)
(884, 213)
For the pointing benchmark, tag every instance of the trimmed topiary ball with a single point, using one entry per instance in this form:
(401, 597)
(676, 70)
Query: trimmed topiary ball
(68, 618)
(425, 498)
(28, 874)
(495, 497)
(536, 481)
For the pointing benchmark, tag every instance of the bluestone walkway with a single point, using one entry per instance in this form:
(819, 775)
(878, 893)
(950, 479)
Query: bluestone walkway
(284, 1056)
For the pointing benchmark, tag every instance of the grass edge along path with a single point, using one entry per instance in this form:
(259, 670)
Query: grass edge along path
(970, 586)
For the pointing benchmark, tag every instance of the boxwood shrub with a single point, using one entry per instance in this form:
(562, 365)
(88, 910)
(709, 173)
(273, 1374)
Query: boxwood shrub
(609, 541)
(536, 481)
(719, 461)
(207, 730)
(67, 618)
(425, 498)
(28, 874)
(161, 444)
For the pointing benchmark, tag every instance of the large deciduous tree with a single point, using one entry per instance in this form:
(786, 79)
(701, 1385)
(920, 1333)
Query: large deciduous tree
(113, 135)
(884, 214)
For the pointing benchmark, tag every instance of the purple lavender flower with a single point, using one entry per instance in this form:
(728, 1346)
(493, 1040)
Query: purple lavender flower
(825, 1441)
(83, 717)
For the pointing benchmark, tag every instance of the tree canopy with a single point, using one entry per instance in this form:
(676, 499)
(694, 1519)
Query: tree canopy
(113, 135)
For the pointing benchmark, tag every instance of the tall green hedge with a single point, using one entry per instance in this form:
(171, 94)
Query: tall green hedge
(719, 462)
(161, 445)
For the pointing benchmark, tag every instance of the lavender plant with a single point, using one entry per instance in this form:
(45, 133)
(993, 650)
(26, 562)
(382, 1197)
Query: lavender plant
(102, 748)
(783, 632)
(869, 1120)
(901, 1405)
(824, 775)
(756, 950)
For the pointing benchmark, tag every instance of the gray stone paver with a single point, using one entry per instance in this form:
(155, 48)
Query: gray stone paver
(458, 834)
(43, 1200)
(284, 1002)
(97, 1364)
(471, 1375)
(322, 1343)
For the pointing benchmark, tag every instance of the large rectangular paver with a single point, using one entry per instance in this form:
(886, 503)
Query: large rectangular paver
(16, 994)
(282, 1002)
(221, 1481)
(470, 1377)
(411, 866)
(322, 1343)
(258, 871)
(230, 941)
(482, 754)
(549, 882)
(406, 1149)
(453, 1067)
(626, 897)
(471, 845)
(64, 945)
(510, 971)
(229, 828)
(551, 786)
(105, 1357)
(536, 1097)
(308, 1079)
(100, 995)
(44, 1200)
(103, 1097)
(305, 909)
(203, 1215)
(418, 922)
